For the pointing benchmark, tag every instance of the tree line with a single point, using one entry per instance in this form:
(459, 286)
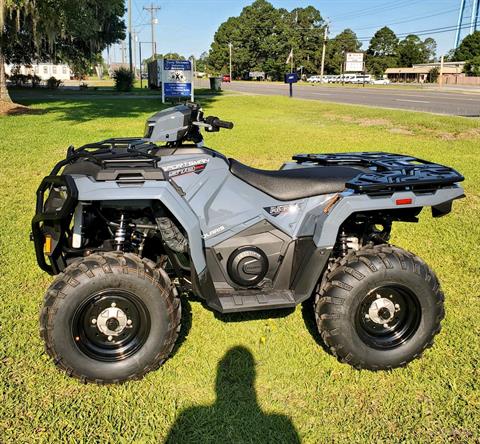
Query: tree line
(262, 36)
(75, 32)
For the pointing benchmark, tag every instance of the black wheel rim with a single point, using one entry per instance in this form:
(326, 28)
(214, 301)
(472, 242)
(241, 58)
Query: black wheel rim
(124, 343)
(388, 328)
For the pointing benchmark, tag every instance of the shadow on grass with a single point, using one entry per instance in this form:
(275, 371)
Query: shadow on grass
(235, 416)
(254, 315)
(308, 315)
(84, 107)
(186, 325)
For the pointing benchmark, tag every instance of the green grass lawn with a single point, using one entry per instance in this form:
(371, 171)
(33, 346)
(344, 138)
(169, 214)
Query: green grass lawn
(297, 387)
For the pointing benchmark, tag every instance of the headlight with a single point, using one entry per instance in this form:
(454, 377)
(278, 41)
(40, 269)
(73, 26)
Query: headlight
(56, 199)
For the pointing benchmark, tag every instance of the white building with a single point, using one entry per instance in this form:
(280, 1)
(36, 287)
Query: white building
(43, 70)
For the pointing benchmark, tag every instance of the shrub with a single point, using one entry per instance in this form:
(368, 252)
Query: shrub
(472, 67)
(35, 81)
(18, 79)
(83, 85)
(433, 75)
(123, 79)
(53, 83)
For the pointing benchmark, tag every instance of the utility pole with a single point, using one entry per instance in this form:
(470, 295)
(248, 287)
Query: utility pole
(134, 50)
(472, 17)
(322, 69)
(440, 78)
(153, 10)
(122, 49)
(130, 35)
(230, 49)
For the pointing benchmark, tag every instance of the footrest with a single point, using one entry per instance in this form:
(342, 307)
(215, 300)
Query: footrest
(251, 300)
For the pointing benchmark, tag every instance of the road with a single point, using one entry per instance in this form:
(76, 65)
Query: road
(464, 103)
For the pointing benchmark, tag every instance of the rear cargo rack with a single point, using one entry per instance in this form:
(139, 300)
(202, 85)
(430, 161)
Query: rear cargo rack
(386, 173)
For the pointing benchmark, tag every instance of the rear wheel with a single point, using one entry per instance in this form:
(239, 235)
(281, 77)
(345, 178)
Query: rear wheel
(110, 317)
(379, 308)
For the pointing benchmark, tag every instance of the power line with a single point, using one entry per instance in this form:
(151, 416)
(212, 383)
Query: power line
(370, 11)
(423, 32)
(153, 10)
(414, 19)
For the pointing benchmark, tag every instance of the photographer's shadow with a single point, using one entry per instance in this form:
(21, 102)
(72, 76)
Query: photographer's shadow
(235, 417)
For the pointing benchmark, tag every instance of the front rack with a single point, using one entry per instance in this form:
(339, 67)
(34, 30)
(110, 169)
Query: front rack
(386, 172)
(108, 151)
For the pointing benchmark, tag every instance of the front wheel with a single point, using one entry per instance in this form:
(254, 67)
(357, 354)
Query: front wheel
(379, 308)
(110, 317)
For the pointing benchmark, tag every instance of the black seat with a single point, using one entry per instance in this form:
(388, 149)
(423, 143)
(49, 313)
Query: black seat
(296, 183)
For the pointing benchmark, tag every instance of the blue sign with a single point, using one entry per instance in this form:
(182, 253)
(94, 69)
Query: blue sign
(174, 65)
(178, 89)
(177, 79)
(291, 78)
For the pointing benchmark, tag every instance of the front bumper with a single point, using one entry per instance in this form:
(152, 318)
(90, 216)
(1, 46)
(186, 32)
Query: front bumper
(53, 222)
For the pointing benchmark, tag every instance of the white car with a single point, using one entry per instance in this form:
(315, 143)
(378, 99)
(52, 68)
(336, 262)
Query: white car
(381, 82)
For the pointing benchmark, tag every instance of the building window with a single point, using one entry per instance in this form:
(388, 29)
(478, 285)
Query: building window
(37, 69)
(54, 69)
(64, 70)
(45, 69)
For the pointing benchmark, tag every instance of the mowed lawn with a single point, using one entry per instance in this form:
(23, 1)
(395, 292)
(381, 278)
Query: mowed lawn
(233, 376)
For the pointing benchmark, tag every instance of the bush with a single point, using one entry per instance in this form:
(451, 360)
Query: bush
(53, 83)
(123, 79)
(83, 85)
(433, 75)
(472, 67)
(18, 79)
(35, 81)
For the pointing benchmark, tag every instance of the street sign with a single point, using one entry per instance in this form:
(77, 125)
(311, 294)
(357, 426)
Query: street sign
(177, 79)
(291, 78)
(354, 62)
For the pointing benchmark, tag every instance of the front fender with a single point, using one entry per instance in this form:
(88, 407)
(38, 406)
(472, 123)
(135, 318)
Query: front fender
(162, 191)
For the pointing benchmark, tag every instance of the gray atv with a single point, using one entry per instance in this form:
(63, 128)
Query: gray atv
(129, 225)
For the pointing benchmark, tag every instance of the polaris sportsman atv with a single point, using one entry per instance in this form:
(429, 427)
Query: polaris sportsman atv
(128, 225)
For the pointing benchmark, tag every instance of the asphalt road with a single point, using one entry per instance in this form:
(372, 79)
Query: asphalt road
(457, 103)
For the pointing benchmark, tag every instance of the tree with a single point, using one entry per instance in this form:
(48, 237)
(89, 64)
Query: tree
(201, 62)
(412, 50)
(75, 32)
(430, 49)
(433, 75)
(472, 67)
(263, 36)
(382, 52)
(468, 49)
(344, 42)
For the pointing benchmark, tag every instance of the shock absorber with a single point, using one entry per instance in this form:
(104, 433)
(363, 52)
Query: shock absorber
(343, 243)
(120, 234)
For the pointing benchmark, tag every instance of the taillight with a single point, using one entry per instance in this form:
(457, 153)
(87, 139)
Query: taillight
(407, 201)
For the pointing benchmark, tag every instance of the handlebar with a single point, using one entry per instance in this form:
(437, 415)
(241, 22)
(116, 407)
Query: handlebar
(215, 122)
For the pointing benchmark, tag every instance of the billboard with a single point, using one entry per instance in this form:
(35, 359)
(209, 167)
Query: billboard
(177, 79)
(354, 62)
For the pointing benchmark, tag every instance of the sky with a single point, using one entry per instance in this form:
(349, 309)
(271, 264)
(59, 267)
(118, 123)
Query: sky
(188, 26)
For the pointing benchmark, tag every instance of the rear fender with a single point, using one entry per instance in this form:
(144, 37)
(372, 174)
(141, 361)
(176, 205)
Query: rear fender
(329, 222)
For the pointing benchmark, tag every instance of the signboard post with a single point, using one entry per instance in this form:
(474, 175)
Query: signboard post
(291, 79)
(177, 80)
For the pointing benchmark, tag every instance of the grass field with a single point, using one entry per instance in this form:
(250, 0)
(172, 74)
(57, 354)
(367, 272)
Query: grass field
(282, 377)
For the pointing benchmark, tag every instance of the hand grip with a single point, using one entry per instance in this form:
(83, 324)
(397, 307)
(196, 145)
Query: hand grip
(216, 122)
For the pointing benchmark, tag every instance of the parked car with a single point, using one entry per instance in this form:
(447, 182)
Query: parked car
(329, 79)
(381, 82)
(314, 79)
(360, 79)
(226, 78)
